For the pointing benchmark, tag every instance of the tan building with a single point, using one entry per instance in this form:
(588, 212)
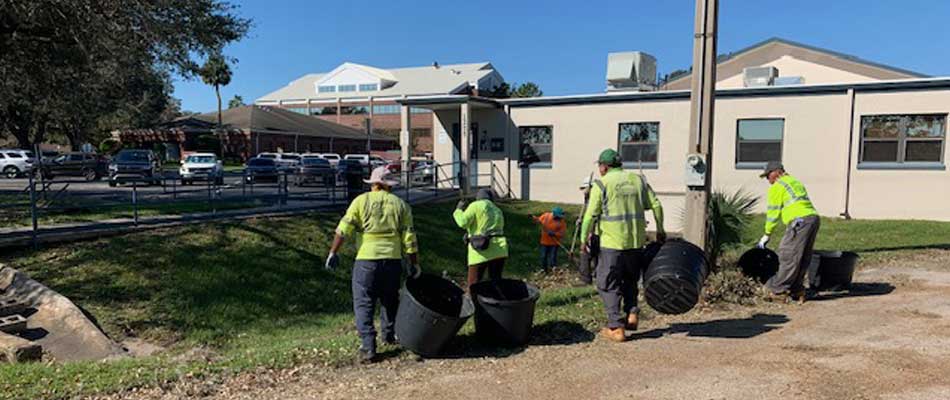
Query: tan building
(869, 141)
(364, 97)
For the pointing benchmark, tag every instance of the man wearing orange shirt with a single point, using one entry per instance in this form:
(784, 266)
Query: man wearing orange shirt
(553, 227)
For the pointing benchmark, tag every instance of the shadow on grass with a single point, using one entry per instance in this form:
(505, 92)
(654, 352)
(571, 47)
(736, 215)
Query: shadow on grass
(733, 328)
(858, 289)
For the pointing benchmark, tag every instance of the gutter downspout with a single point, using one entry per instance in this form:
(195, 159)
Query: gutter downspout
(847, 190)
(508, 143)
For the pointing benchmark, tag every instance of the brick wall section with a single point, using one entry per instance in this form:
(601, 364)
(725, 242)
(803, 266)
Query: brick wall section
(388, 124)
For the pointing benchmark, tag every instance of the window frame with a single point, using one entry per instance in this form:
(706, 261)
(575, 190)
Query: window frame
(739, 164)
(636, 164)
(539, 164)
(345, 88)
(326, 88)
(902, 140)
(368, 87)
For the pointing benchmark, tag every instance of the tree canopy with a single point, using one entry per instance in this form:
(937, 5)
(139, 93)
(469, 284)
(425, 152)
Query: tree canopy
(76, 68)
(235, 102)
(504, 90)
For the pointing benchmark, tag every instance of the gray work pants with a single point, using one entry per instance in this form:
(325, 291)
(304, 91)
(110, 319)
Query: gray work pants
(618, 274)
(794, 255)
(375, 280)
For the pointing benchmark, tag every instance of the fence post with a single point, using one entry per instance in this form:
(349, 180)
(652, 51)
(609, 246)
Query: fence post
(174, 189)
(135, 204)
(210, 197)
(33, 211)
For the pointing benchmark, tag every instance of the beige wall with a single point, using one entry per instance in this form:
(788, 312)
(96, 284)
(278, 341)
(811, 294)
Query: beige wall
(814, 74)
(815, 149)
(900, 194)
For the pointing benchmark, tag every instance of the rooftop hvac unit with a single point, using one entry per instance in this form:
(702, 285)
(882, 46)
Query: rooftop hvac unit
(632, 70)
(759, 76)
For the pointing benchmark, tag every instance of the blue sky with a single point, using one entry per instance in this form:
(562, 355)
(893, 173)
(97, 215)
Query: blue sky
(560, 45)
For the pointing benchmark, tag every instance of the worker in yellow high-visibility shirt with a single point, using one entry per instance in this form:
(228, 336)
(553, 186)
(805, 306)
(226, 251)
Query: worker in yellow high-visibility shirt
(617, 202)
(788, 202)
(382, 224)
(484, 224)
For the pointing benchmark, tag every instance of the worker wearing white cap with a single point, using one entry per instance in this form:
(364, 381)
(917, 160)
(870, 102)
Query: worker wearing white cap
(382, 224)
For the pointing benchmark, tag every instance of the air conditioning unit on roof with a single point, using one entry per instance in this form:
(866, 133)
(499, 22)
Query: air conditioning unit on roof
(759, 76)
(631, 71)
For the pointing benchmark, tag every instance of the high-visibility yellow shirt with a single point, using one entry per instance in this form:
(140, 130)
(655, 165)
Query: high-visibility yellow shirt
(787, 200)
(382, 223)
(483, 217)
(620, 212)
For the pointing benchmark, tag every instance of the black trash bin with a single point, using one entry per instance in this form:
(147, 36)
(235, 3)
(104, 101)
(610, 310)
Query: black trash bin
(759, 264)
(504, 311)
(431, 312)
(675, 277)
(834, 271)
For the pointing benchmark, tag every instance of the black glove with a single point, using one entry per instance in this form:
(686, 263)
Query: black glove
(413, 271)
(661, 237)
(333, 261)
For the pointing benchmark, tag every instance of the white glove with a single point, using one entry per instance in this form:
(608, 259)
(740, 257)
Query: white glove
(762, 242)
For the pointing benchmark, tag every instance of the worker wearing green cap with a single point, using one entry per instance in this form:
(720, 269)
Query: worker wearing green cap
(618, 201)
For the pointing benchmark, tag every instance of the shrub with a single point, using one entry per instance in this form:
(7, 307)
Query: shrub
(728, 216)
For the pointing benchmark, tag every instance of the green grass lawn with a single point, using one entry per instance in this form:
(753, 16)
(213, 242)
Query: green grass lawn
(254, 293)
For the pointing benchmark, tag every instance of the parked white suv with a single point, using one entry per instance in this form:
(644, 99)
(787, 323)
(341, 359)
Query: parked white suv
(366, 159)
(14, 163)
(333, 158)
(201, 166)
(283, 160)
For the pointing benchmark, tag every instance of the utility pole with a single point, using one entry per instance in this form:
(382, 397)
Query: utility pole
(702, 99)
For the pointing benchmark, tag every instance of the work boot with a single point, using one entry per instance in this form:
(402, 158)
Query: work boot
(799, 297)
(390, 339)
(633, 321)
(614, 334)
(367, 356)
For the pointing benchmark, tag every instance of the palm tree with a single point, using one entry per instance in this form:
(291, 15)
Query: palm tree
(217, 73)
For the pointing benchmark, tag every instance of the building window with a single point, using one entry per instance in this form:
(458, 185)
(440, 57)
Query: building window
(639, 142)
(326, 89)
(536, 146)
(417, 110)
(316, 110)
(759, 141)
(369, 87)
(346, 88)
(903, 139)
(386, 109)
(298, 110)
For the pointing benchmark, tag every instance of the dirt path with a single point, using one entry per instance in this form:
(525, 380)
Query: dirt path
(888, 340)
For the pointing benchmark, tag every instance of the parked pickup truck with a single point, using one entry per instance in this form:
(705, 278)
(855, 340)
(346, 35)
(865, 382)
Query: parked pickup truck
(201, 167)
(131, 165)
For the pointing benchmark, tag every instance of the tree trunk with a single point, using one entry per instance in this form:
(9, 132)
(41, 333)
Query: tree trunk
(217, 91)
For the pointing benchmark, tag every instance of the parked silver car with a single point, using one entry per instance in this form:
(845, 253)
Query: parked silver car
(14, 163)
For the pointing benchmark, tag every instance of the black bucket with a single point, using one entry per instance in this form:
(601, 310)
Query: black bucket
(759, 264)
(431, 312)
(650, 251)
(834, 271)
(504, 311)
(674, 279)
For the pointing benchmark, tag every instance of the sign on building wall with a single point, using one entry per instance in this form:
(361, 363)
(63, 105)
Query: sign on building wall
(443, 137)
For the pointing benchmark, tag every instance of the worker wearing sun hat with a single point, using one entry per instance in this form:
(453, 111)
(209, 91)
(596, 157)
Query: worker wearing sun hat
(553, 228)
(618, 201)
(788, 202)
(382, 224)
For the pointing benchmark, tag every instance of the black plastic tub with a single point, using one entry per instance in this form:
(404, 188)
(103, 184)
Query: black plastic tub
(674, 279)
(431, 312)
(759, 264)
(834, 271)
(504, 311)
